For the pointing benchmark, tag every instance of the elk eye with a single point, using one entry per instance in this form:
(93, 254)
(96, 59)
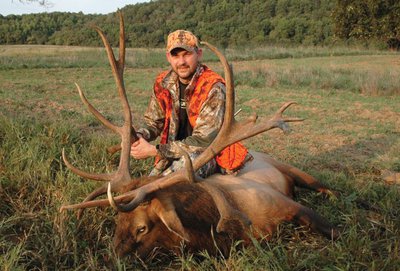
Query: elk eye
(141, 229)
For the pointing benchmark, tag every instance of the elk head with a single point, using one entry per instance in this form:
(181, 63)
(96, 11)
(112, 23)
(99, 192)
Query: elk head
(153, 224)
(180, 215)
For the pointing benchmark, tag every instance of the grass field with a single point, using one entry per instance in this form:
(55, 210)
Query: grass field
(350, 141)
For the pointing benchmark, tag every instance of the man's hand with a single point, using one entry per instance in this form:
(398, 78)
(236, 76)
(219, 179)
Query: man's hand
(142, 149)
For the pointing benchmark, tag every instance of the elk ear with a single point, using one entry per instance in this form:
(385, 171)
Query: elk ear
(165, 210)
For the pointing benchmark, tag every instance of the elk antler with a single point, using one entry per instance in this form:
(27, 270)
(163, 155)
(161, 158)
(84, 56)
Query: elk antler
(231, 131)
(121, 178)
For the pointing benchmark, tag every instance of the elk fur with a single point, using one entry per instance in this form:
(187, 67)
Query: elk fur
(185, 213)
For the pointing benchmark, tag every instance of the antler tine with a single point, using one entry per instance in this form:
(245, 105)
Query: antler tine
(85, 204)
(101, 202)
(111, 199)
(96, 113)
(285, 106)
(117, 67)
(94, 194)
(121, 53)
(95, 177)
(188, 165)
(230, 91)
(282, 123)
(111, 57)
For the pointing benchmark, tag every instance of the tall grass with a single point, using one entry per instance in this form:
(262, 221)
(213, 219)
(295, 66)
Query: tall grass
(38, 56)
(45, 56)
(349, 139)
(279, 52)
(34, 184)
(364, 75)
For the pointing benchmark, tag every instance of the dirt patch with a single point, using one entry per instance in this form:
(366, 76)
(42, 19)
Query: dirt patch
(255, 104)
(385, 114)
(391, 177)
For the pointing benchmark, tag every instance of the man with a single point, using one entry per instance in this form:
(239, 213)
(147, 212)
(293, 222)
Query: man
(186, 109)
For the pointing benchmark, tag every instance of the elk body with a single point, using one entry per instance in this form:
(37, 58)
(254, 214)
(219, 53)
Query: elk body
(204, 214)
(185, 214)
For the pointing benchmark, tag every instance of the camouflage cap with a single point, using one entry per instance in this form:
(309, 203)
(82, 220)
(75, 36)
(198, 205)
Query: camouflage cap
(182, 39)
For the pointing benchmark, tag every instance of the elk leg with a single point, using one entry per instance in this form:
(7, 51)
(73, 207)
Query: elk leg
(228, 215)
(301, 178)
(309, 218)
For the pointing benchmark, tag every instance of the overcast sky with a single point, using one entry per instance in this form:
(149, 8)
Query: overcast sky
(86, 6)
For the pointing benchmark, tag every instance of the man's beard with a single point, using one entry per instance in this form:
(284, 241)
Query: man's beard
(186, 69)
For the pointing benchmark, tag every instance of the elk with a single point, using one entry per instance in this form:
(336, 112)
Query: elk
(204, 214)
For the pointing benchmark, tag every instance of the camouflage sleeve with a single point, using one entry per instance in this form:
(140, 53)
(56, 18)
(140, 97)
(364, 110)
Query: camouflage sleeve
(154, 120)
(207, 126)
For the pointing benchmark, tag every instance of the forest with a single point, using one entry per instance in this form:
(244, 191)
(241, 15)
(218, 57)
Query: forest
(227, 23)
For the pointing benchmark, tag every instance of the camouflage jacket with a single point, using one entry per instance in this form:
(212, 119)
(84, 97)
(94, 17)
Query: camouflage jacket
(207, 122)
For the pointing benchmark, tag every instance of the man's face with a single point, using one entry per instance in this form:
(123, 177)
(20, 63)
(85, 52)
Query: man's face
(184, 63)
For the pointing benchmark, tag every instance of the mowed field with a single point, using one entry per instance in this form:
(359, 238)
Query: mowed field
(350, 141)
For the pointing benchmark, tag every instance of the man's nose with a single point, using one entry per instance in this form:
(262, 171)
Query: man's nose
(181, 60)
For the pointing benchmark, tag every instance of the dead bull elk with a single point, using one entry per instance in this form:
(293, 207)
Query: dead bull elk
(163, 212)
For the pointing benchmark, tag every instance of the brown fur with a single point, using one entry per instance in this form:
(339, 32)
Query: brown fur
(186, 213)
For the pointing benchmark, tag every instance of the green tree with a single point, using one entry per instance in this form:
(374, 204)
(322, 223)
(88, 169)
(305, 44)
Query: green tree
(222, 22)
(366, 20)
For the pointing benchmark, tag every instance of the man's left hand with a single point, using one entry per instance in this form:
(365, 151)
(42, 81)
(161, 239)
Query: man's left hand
(142, 149)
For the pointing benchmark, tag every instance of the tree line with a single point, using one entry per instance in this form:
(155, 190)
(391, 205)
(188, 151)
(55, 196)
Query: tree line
(222, 22)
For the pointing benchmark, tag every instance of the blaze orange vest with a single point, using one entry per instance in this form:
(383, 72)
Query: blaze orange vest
(229, 158)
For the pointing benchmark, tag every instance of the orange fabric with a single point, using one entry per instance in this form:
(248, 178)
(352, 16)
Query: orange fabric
(232, 156)
(199, 95)
(229, 158)
(164, 99)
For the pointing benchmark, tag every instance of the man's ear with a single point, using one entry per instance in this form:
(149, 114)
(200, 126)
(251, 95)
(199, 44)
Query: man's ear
(165, 210)
(200, 54)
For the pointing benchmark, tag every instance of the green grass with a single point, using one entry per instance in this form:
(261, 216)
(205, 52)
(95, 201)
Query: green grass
(350, 137)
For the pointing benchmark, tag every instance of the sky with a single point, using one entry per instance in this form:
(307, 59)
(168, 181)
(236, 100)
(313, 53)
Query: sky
(18, 7)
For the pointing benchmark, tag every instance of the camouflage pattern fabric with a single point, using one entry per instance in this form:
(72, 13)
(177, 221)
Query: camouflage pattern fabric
(207, 125)
(207, 170)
